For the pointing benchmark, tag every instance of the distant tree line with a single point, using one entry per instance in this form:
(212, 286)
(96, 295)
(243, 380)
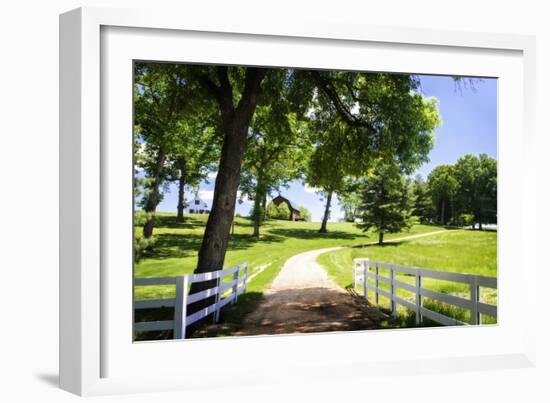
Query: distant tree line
(460, 194)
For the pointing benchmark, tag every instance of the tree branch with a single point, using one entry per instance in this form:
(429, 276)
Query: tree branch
(345, 114)
(252, 86)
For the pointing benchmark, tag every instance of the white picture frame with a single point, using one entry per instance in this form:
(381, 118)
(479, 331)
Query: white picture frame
(91, 361)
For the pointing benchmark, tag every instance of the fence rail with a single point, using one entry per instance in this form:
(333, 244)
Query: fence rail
(366, 272)
(224, 293)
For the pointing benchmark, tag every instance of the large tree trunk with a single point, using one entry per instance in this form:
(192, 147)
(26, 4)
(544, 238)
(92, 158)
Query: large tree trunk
(181, 195)
(443, 212)
(154, 195)
(235, 123)
(327, 213)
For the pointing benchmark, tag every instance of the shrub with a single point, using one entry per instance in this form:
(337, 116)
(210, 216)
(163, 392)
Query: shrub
(305, 214)
(466, 219)
(280, 212)
(142, 246)
(141, 217)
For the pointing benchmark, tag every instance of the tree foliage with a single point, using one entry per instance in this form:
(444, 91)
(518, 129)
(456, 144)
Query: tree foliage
(423, 207)
(443, 186)
(378, 117)
(477, 187)
(280, 212)
(277, 147)
(386, 201)
(305, 214)
(465, 192)
(159, 103)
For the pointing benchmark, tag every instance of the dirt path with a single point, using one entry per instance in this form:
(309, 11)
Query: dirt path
(303, 299)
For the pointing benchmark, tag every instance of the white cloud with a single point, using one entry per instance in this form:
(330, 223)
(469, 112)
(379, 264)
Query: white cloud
(212, 175)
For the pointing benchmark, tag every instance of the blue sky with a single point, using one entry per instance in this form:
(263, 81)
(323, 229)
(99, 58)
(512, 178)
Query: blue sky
(469, 127)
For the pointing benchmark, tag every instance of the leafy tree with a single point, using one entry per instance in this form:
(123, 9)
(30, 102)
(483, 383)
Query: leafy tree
(283, 212)
(327, 166)
(280, 212)
(141, 244)
(275, 153)
(387, 119)
(270, 212)
(350, 198)
(386, 206)
(235, 93)
(443, 186)
(423, 206)
(161, 100)
(305, 214)
(192, 155)
(467, 219)
(477, 187)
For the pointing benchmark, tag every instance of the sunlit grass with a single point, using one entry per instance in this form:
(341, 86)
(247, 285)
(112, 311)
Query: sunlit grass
(177, 245)
(462, 251)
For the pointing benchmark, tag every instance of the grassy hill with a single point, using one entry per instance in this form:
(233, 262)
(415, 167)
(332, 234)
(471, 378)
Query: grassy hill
(177, 247)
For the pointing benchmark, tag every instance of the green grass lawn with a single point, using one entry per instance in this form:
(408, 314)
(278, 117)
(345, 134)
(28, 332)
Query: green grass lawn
(177, 246)
(462, 251)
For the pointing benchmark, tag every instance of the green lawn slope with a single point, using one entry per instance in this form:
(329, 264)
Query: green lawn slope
(462, 251)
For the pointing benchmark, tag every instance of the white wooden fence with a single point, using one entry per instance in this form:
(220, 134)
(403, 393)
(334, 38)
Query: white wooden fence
(224, 292)
(365, 270)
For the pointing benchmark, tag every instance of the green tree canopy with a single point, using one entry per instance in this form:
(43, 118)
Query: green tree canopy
(387, 119)
(276, 150)
(161, 101)
(305, 214)
(423, 206)
(280, 212)
(443, 187)
(386, 206)
(477, 187)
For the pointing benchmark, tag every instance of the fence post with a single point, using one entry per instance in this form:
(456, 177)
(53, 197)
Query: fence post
(235, 287)
(376, 295)
(418, 298)
(180, 309)
(392, 293)
(365, 279)
(354, 270)
(245, 277)
(474, 295)
(216, 316)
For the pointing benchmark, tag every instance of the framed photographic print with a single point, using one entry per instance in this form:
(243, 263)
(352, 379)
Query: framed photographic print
(251, 195)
